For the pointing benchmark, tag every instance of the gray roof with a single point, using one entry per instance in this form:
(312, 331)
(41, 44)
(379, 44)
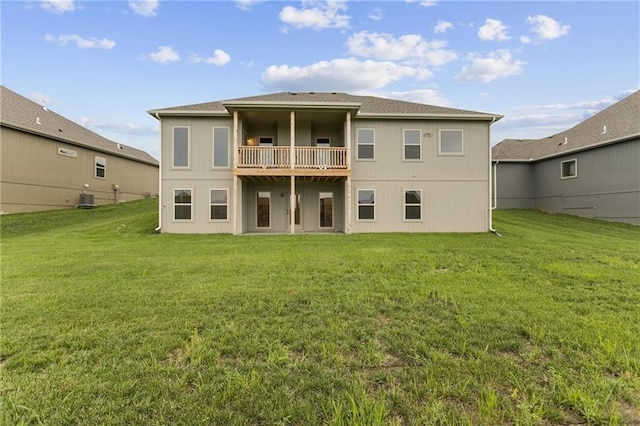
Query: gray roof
(20, 113)
(366, 105)
(617, 123)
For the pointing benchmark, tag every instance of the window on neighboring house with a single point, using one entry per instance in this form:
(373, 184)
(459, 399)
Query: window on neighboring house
(366, 144)
(451, 142)
(413, 204)
(219, 204)
(263, 210)
(366, 204)
(101, 167)
(326, 210)
(412, 144)
(182, 204)
(180, 147)
(569, 169)
(221, 147)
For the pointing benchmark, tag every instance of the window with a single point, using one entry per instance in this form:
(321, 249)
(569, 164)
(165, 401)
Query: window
(265, 141)
(326, 210)
(324, 156)
(569, 169)
(263, 210)
(413, 204)
(451, 142)
(67, 152)
(221, 147)
(101, 167)
(366, 144)
(180, 147)
(412, 144)
(182, 204)
(219, 204)
(366, 208)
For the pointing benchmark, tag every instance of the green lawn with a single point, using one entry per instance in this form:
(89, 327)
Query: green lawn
(105, 322)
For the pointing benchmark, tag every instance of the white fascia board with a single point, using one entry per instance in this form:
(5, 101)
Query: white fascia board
(182, 113)
(289, 104)
(418, 116)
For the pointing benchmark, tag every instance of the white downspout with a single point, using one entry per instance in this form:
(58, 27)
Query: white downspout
(159, 179)
(494, 182)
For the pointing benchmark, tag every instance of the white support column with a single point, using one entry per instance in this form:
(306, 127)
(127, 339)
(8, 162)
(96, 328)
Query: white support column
(348, 140)
(236, 208)
(292, 205)
(292, 143)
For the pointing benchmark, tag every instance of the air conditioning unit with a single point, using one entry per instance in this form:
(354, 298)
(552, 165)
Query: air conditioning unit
(86, 200)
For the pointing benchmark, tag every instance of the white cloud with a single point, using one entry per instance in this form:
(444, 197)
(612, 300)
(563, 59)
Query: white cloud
(82, 43)
(498, 64)
(411, 48)
(164, 54)
(422, 96)
(146, 8)
(376, 14)
(316, 15)
(247, 5)
(547, 28)
(58, 6)
(493, 30)
(339, 75)
(442, 26)
(126, 128)
(219, 58)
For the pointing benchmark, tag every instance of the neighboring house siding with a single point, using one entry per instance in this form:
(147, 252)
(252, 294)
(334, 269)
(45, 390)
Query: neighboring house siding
(515, 186)
(454, 188)
(34, 176)
(607, 185)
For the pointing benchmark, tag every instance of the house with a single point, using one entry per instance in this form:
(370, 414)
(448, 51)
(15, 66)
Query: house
(49, 162)
(590, 170)
(323, 162)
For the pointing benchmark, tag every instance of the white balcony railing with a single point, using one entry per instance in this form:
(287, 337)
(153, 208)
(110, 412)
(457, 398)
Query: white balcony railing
(280, 157)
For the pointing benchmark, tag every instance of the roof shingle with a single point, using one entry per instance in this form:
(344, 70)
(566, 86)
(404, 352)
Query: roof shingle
(18, 112)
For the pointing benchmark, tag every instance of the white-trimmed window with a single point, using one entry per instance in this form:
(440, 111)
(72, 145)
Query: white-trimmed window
(67, 152)
(412, 144)
(366, 144)
(451, 142)
(219, 204)
(180, 147)
(326, 210)
(413, 204)
(366, 204)
(221, 147)
(263, 209)
(182, 203)
(569, 169)
(101, 167)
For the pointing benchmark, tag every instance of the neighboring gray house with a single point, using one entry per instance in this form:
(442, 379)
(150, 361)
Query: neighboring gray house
(323, 162)
(591, 170)
(48, 162)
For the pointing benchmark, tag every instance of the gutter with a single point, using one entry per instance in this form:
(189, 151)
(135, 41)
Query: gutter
(491, 208)
(159, 227)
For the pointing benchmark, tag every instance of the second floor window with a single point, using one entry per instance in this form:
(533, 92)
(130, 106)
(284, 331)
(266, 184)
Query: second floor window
(366, 144)
(412, 144)
(221, 147)
(101, 167)
(180, 147)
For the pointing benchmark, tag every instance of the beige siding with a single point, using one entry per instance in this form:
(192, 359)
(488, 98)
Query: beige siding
(34, 176)
(455, 188)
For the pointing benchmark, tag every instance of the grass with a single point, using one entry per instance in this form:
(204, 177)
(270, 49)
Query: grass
(105, 322)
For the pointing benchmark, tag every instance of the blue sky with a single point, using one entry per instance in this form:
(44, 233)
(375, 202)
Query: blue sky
(546, 66)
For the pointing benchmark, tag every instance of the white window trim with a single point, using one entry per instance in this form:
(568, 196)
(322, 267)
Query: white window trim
(218, 204)
(404, 144)
(372, 144)
(453, 154)
(270, 210)
(404, 205)
(213, 148)
(562, 167)
(320, 209)
(95, 167)
(358, 205)
(273, 140)
(174, 204)
(173, 150)
(323, 137)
